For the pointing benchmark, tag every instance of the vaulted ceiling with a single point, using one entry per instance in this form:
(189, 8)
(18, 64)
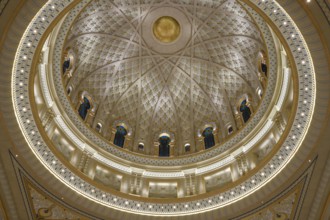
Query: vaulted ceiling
(152, 88)
(112, 58)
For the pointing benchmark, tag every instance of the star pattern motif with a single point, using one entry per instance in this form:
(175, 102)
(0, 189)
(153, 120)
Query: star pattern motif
(177, 92)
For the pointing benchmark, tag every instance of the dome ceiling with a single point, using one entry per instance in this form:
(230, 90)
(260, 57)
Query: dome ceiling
(119, 94)
(156, 87)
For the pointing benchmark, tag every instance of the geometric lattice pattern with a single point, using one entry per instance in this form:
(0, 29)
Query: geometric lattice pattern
(177, 92)
(303, 115)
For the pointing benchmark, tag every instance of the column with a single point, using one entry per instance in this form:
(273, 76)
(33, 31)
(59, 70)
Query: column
(201, 188)
(124, 186)
(242, 164)
(180, 188)
(145, 188)
(200, 144)
(76, 158)
(48, 123)
(239, 120)
(90, 167)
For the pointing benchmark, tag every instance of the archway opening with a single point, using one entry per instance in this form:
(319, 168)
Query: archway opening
(83, 108)
(66, 64)
(208, 138)
(120, 136)
(245, 110)
(164, 146)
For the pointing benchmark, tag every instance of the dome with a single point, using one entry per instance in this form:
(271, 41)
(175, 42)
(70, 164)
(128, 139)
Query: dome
(174, 109)
(180, 87)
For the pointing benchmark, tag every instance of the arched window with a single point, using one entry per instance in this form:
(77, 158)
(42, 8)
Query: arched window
(259, 91)
(264, 68)
(246, 112)
(141, 147)
(187, 148)
(69, 90)
(230, 129)
(164, 146)
(66, 64)
(120, 136)
(208, 137)
(83, 108)
(262, 62)
(98, 127)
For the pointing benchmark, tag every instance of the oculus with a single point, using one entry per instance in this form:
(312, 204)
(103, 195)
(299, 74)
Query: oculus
(166, 29)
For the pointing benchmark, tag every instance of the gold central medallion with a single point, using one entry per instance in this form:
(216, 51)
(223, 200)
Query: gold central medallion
(166, 29)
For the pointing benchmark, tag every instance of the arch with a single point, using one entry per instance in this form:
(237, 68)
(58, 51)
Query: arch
(262, 62)
(66, 64)
(141, 146)
(164, 145)
(124, 124)
(264, 68)
(208, 137)
(245, 110)
(230, 129)
(119, 140)
(69, 90)
(68, 61)
(187, 148)
(98, 127)
(84, 107)
(122, 130)
(81, 96)
(259, 92)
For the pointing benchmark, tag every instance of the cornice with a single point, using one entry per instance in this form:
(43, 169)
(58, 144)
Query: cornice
(294, 39)
(315, 123)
